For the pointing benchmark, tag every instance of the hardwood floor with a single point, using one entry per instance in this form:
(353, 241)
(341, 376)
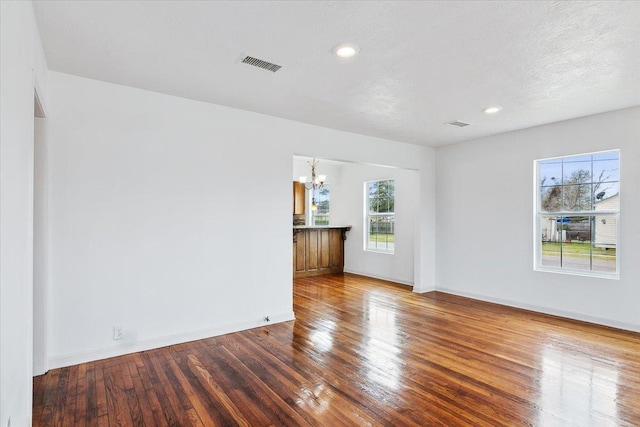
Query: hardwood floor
(365, 352)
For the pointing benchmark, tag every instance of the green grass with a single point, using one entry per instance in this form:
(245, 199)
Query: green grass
(382, 238)
(577, 249)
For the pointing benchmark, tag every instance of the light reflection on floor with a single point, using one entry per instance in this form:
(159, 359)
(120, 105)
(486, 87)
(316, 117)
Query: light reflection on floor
(382, 344)
(577, 389)
(322, 338)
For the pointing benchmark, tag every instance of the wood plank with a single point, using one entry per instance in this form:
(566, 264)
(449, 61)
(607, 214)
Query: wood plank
(336, 248)
(323, 261)
(101, 392)
(365, 352)
(71, 400)
(118, 408)
(43, 404)
(81, 402)
(150, 398)
(62, 395)
(142, 414)
(311, 250)
(300, 251)
(172, 409)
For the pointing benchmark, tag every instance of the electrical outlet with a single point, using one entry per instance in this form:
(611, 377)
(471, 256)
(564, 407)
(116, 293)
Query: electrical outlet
(118, 332)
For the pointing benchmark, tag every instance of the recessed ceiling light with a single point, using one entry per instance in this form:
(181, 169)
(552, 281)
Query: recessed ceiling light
(346, 50)
(492, 110)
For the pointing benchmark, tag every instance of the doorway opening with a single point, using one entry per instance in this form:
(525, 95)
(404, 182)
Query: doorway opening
(342, 202)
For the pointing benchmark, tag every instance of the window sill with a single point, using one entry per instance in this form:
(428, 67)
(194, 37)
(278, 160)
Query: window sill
(379, 251)
(597, 275)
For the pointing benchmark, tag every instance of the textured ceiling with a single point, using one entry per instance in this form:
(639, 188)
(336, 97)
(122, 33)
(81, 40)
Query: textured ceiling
(421, 64)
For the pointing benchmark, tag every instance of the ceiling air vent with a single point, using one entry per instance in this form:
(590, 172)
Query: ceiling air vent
(260, 63)
(458, 123)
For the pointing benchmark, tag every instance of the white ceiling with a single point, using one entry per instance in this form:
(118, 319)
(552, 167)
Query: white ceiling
(421, 64)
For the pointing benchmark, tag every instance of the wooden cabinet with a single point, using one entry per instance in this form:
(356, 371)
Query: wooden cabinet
(298, 198)
(318, 250)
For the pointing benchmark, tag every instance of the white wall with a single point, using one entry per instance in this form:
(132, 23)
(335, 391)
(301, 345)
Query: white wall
(160, 221)
(154, 208)
(424, 255)
(347, 207)
(23, 70)
(490, 182)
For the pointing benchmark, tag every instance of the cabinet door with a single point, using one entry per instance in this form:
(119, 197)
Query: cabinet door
(298, 198)
(299, 245)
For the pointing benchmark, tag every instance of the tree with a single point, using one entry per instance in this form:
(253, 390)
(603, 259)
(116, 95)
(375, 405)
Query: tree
(382, 196)
(551, 198)
(577, 191)
(323, 205)
(580, 192)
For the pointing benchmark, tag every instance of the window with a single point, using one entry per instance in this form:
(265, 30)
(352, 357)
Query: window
(380, 215)
(320, 199)
(578, 214)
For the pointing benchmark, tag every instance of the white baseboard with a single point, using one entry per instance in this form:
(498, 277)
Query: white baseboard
(545, 310)
(424, 291)
(149, 344)
(388, 279)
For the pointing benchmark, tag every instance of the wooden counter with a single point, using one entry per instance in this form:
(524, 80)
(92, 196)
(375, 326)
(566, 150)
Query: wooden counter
(318, 250)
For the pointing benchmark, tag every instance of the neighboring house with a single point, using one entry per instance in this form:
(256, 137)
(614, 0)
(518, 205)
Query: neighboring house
(549, 229)
(606, 227)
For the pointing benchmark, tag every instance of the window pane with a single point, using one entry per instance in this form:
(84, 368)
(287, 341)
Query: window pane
(320, 220)
(551, 172)
(606, 175)
(607, 203)
(576, 255)
(381, 232)
(576, 170)
(551, 199)
(550, 241)
(384, 204)
(321, 198)
(373, 189)
(605, 190)
(606, 170)
(576, 242)
(604, 243)
(380, 218)
(551, 254)
(577, 197)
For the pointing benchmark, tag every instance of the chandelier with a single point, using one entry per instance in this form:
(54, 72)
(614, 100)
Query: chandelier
(316, 182)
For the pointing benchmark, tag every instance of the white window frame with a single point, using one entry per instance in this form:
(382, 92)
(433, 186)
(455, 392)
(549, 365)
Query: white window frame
(367, 215)
(538, 213)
